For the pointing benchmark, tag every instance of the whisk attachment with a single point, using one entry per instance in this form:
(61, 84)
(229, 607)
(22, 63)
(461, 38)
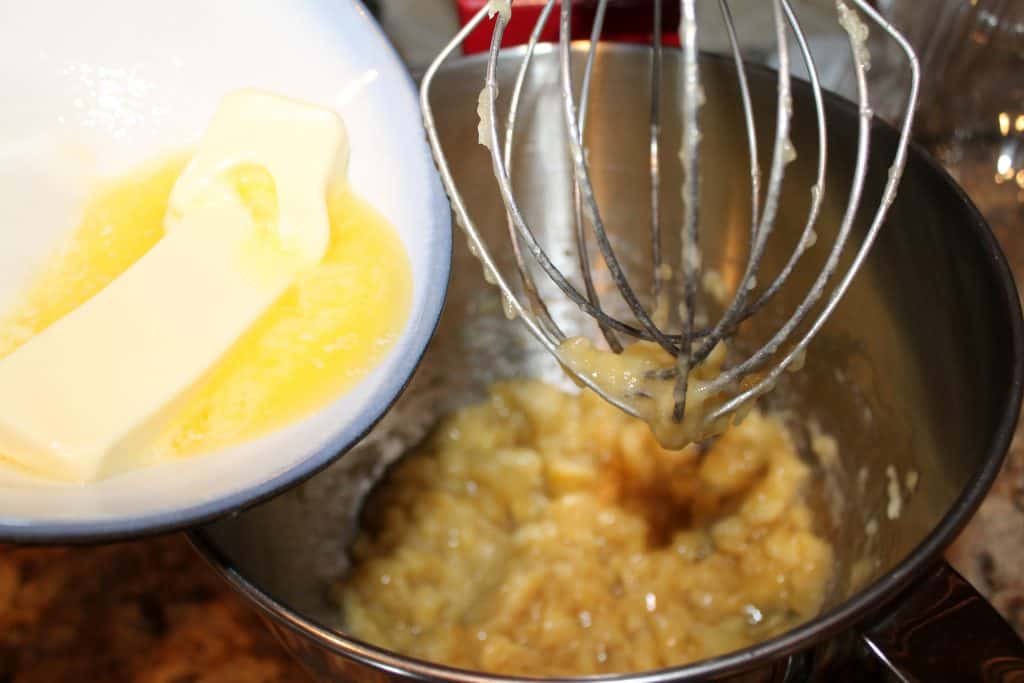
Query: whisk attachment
(668, 367)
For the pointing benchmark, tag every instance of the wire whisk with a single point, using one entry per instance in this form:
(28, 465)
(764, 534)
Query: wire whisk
(666, 367)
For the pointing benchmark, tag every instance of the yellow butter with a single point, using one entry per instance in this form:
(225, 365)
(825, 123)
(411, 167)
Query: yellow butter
(245, 218)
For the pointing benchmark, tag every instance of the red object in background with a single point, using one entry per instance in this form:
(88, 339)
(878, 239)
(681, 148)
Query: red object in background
(626, 21)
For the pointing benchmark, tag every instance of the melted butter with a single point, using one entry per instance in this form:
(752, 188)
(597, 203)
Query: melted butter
(323, 335)
(631, 378)
(258, 192)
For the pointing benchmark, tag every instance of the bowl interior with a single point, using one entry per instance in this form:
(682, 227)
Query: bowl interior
(96, 89)
(914, 375)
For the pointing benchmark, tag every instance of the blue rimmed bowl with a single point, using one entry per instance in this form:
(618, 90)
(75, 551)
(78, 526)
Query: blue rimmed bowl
(118, 82)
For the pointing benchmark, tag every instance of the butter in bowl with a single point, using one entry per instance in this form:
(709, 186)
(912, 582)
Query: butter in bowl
(221, 266)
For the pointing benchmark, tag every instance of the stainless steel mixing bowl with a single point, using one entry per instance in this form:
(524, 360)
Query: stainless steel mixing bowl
(919, 370)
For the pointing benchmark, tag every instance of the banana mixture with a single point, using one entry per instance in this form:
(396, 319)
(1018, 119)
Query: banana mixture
(540, 533)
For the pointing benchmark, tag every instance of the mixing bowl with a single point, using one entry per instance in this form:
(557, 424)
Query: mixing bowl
(918, 373)
(84, 107)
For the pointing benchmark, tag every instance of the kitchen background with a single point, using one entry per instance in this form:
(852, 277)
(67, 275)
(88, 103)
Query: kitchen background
(152, 612)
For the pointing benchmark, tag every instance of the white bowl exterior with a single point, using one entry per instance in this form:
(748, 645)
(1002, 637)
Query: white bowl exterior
(132, 80)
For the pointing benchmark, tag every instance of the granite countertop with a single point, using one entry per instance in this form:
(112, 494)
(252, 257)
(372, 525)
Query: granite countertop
(145, 612)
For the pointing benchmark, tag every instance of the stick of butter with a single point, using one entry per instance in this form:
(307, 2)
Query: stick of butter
(81, 399)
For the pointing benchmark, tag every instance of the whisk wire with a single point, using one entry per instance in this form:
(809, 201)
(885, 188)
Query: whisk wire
(537, 304)
(657, 264)
(888, 194)
(690, 346)
(581, 235)
(591, 211)
(818, 188)
(782, 150)
(489, 133)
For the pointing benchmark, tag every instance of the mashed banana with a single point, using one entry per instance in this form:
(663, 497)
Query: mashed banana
(540, 533)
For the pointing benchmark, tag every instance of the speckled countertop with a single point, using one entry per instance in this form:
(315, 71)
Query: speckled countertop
(145, 612)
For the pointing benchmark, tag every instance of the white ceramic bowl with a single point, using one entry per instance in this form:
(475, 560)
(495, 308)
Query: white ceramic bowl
(132, 79)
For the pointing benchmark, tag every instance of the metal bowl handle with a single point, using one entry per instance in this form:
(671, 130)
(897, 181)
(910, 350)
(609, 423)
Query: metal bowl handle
(942, 629)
